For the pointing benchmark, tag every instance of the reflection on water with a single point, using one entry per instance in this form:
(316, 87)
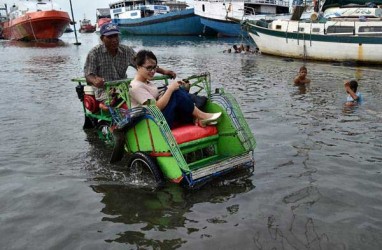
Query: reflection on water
(302, 89)
(36, 44)
(174, 41)
(163, 210)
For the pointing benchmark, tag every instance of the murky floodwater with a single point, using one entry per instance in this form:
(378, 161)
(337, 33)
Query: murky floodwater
(316, 185)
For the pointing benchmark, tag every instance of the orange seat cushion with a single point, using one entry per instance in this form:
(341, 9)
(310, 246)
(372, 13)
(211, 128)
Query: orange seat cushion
(191, 132)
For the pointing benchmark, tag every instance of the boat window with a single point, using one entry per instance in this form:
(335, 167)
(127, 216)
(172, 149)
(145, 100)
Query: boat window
(278, 27)
(203, 8)
(316, 30)
(340, 29)
(370, 29)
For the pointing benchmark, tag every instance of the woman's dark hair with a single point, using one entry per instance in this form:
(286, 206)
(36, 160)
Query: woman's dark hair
(143, 55)
(353, 85)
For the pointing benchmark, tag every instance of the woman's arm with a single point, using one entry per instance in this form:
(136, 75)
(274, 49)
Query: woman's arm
(170, 73)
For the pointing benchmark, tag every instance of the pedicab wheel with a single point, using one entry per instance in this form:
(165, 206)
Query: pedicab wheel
(88, 123)
(104, 132)
(145, 170)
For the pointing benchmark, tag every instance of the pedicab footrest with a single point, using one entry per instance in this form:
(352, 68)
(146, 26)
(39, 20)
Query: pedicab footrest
(219, 167)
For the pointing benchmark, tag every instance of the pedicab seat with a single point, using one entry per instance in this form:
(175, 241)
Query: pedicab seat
(191, 132)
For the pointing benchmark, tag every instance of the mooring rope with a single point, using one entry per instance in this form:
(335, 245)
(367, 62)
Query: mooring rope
(30, 22)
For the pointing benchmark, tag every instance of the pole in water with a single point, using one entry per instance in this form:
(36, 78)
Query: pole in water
(74, 24)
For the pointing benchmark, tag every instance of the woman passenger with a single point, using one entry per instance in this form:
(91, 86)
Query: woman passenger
(175, 103)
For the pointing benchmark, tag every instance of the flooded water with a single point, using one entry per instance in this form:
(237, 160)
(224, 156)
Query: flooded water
(317, 181)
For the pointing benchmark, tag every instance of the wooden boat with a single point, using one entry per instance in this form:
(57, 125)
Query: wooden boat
(337, 33)
(157, 18)
(224, 16)
(86, 26)
(35, 20)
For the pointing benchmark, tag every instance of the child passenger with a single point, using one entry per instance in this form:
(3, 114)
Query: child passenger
(353, 97)
(301, 77)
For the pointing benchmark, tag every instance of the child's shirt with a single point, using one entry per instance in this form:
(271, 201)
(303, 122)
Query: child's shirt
(350, 99)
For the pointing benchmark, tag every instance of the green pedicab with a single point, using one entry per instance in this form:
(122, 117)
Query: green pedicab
(188, 154)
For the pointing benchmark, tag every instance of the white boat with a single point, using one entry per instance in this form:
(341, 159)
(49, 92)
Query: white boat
(222, 15)
(337, 33)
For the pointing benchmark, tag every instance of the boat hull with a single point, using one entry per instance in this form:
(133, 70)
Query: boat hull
(87, 29)
(214, 15)
(41, 25)
(178, 23)
(224, 28)
(362, 49)
(225, 16)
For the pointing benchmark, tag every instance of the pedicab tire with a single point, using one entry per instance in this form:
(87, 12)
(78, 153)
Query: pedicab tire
(88, 123)
(150, 164)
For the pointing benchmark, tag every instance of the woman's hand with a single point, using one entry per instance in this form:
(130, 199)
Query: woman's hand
(169, 73)
(173, 86)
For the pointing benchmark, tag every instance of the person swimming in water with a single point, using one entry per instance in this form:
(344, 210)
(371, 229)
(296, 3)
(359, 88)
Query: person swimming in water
(354, 97)
(301, 77)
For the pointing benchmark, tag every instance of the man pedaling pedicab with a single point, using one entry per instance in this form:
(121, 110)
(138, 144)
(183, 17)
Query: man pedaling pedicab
(109, 61)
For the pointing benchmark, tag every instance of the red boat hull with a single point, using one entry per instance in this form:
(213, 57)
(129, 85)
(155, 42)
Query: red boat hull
(41, 25)
(87, 28)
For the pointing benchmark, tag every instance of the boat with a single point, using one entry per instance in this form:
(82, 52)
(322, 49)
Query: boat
(157, 18)
(68, 29)
(188, 155)
(86, 26)
(224, 16)
(343, 30)
(35, 20)
(102, 17)
(3, 18)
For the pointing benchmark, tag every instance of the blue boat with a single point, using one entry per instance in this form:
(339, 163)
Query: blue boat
(227, 28)
(173, 18)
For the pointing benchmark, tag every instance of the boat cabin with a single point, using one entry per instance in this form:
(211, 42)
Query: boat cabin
(136, 9)
(24, 7)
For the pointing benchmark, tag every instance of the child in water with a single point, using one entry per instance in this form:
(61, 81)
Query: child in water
(354, 97)
(301, 77)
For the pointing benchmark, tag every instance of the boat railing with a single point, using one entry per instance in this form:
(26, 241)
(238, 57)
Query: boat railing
(264, 2)
(249, 11)
(269, 2)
